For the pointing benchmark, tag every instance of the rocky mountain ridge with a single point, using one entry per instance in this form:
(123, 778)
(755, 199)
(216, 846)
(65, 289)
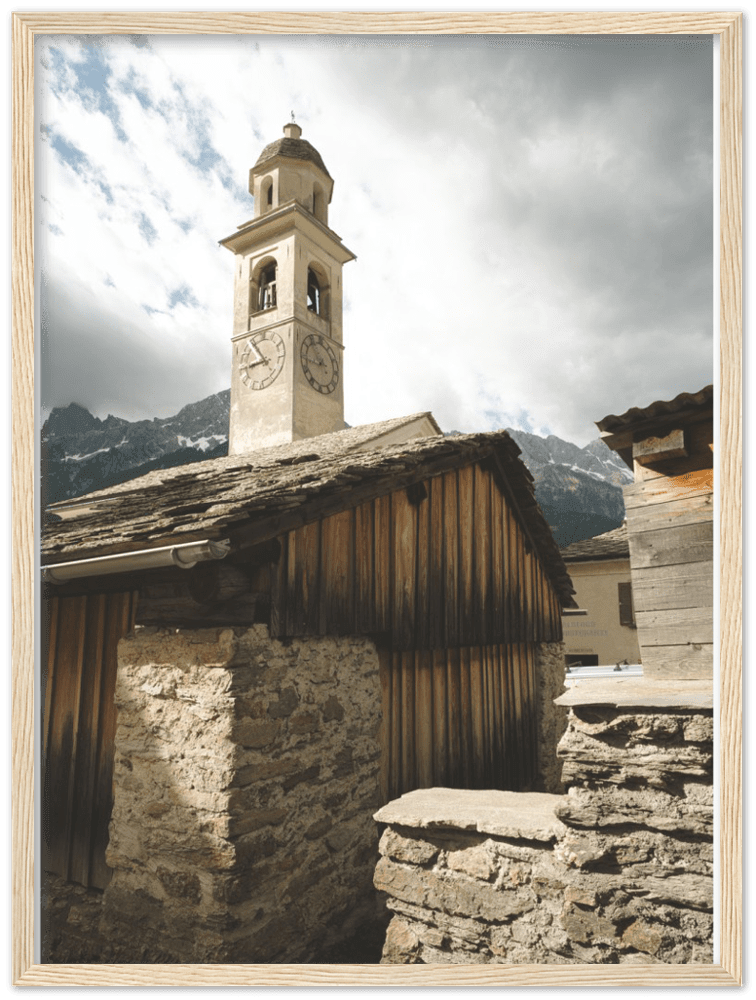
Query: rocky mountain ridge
(579, 489)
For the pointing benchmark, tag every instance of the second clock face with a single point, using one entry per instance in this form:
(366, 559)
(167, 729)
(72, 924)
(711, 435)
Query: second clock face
(262, 360)
(319, 363)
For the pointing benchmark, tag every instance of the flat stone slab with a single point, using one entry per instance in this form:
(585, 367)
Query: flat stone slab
(518, 815)
(639, 692)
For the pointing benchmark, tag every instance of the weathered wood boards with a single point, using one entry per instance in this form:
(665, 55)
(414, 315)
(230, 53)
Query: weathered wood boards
(446, 566)
(78, 731)
(459, 718)
(670, 534)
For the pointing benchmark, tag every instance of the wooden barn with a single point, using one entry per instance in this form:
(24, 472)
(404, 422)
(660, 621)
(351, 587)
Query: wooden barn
(670, 507)
(328, 623)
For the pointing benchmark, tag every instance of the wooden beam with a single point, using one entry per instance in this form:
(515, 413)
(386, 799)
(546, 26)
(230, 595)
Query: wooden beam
(687, 661)
(660, 449)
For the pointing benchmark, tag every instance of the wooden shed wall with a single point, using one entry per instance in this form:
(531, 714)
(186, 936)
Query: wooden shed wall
(441, 565)
(459, 718)
(670, 532)
(81, 639)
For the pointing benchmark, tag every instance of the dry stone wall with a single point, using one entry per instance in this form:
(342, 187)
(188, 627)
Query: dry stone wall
(618, 870)
(246, 775)
(552, 718)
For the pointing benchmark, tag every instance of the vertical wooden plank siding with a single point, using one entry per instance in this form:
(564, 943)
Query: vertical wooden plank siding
(440, 721)
(422, 602)
(49, 640)
(364, 594)
(436, 564)
(478, 740)
(61, 742)
(468, 591)
(451, 636)
(451, 569)
(338, 581)
(424, 716)
(404, 548)
(382, 562)
(454, 709)
(78, 733)
(84, 782)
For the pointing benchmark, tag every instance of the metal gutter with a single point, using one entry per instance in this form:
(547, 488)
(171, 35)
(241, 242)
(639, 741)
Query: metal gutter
(185, 556)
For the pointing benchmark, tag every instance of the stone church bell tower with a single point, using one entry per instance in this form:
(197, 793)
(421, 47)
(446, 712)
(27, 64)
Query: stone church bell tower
(286, 369)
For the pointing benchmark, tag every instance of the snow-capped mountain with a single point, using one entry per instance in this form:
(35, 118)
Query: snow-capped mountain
(595, 459)
(81, 453)
(579, 489)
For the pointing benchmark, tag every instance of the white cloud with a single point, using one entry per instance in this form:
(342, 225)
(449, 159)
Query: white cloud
(530, 221)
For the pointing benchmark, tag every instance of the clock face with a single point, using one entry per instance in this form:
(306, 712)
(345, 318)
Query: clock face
(262, 360)
(319, 363)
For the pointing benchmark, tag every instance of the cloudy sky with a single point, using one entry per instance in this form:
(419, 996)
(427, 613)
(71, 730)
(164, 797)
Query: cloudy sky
(532, 218)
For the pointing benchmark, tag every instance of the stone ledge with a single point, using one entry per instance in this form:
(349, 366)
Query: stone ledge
(641, 693)
(519, 815)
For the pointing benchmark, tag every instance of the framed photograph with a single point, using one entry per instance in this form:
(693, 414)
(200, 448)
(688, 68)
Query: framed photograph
(541, 225)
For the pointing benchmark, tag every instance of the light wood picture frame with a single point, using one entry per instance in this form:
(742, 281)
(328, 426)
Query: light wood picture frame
(728, 26)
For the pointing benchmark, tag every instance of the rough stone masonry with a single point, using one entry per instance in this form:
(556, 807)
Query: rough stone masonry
(619, 870)
(246, 775)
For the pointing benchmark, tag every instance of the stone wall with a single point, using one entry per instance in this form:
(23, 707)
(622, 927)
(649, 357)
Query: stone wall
(552, 718)
(70, 921)
(619, 870)
(246, 775)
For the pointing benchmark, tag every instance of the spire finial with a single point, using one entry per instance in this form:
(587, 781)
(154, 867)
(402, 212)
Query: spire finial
(292, 116)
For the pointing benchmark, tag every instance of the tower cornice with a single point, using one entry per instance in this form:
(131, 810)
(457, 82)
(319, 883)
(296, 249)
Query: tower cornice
(291, 216)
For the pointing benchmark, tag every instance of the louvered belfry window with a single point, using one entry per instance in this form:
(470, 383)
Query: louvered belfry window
(625, 595)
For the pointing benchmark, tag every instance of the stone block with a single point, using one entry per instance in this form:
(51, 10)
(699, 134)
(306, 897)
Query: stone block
(444, 892)
(256, 733)
(180, 885)
(476, 861)
(333, 710)
(642, 937)
(402, 848)
(255, 819)
(303, 723)
(586, 926)
(284, 705)
(401, 945)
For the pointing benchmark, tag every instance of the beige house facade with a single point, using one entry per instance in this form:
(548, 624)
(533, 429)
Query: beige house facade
(606, 633)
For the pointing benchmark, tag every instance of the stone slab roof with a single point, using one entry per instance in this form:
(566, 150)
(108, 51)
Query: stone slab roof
(611, 545)
(294, 149)
(269, 491)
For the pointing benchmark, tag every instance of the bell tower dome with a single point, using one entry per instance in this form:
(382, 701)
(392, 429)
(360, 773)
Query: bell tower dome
(287, 345)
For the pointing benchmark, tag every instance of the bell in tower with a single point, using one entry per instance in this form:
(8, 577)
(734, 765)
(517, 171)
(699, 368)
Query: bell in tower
(287, 347)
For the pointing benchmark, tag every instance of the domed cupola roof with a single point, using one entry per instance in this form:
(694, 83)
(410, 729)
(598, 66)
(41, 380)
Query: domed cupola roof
(292, 147)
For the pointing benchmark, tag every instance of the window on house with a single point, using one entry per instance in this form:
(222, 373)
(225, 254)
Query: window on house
(269, 195)
(313, 292)
(625, 596)
(267, 295)
(582, 660)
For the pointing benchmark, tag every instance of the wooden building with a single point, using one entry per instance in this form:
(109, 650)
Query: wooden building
(670, 508)
(435, 550)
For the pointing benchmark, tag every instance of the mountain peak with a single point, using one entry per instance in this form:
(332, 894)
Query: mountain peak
(71, 419)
